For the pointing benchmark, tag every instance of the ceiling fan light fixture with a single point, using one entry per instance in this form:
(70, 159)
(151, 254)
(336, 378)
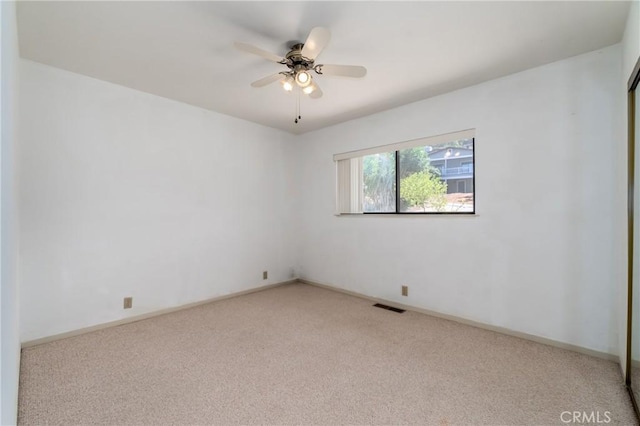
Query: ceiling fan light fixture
(300, 61)
(287, 83)
(309, 89)
(303, 78)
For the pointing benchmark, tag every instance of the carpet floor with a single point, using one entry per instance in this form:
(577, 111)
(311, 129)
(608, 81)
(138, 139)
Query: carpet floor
(299, 354)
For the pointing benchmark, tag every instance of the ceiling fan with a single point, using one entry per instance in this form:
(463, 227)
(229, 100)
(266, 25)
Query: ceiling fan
(300, 61)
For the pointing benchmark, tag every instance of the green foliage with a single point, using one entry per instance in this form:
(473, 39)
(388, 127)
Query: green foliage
(379, 179)
(415, 160)
(424, 189)
(412, 160)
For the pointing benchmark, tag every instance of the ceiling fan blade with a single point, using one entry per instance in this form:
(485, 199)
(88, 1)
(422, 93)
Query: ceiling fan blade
(318, 38)
(342, 70)
(246, 47)
(317, 93)
(267, 80)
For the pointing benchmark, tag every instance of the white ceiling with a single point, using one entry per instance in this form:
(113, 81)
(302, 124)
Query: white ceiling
(412, 50)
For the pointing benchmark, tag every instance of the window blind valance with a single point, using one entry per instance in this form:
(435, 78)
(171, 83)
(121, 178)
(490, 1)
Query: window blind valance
(432, 140)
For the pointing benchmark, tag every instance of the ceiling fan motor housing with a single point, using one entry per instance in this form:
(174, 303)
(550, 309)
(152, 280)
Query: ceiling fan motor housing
(295, 61)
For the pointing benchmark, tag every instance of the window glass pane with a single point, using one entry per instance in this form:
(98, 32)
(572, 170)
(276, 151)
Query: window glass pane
(437, 178)
(379, 183)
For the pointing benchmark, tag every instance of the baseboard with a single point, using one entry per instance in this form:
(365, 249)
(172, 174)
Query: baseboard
(501, 330)
(141, 317)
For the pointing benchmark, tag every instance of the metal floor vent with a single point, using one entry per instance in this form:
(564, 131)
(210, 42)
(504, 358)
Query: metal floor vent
(389, 308)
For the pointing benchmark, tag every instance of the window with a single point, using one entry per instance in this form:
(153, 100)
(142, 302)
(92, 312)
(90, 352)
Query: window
(430, 175)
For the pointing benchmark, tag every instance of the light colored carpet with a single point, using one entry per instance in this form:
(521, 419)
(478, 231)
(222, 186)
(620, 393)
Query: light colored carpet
(298, 354)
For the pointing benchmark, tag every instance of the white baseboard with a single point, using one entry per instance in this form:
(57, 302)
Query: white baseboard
(502, 330)
(141, 317)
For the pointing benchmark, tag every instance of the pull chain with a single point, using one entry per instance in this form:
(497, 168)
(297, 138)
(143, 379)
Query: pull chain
(298, 116)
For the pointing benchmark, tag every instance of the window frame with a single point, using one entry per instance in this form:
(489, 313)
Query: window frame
(469, 134)
(397, 162)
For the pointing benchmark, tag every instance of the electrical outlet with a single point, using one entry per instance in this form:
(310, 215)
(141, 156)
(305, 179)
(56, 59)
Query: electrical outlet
(405, 290)
(128, 302)
(265, 275)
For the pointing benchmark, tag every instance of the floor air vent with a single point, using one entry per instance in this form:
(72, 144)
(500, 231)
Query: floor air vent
(389, 308)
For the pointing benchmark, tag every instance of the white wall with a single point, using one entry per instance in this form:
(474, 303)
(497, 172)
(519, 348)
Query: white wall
(9, 326)
(127, 194)
(538, 257)
(631, 40)
(630, 54)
